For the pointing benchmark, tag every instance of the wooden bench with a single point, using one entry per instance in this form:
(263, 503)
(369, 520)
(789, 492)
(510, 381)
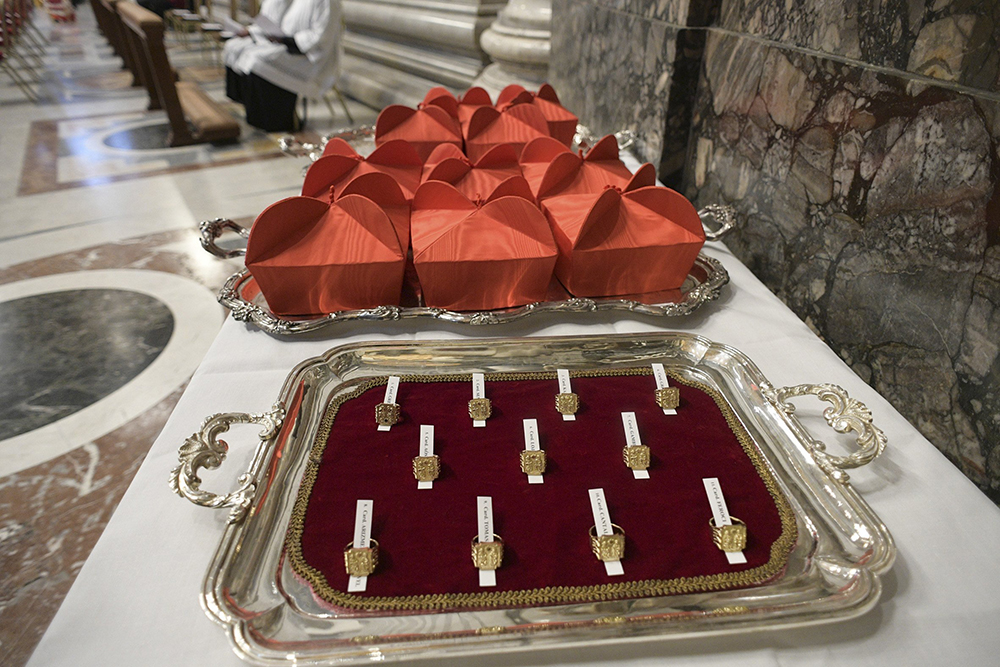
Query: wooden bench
(111, 25)
(194, 116)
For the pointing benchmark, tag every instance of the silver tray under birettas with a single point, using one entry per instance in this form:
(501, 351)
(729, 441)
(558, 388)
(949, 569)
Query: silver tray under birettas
(243, 297)
(837, 550)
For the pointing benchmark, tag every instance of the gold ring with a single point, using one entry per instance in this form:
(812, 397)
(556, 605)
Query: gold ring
(480, 409)
(533, 461)
(386, 414)
(426, 468)
(360, 562)
(487, 555)
(668, 398)
(608, 547)
(636, 457)
(729, 538)
(567, 404)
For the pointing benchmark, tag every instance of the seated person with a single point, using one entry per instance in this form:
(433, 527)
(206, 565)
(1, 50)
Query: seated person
(271, 12)
(268, 76)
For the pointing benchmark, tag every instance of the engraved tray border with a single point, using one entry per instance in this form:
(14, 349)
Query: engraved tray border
(699, 291)
(271, 617)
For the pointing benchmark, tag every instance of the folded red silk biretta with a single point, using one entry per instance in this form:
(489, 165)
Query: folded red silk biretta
(561, 122)
(310, 257)
(461, 107)
(480, 255)
(475, 181)
(515, 126)
(423, 128)
(340, 164)
(553, 170)
(614, 243)
(384, 191)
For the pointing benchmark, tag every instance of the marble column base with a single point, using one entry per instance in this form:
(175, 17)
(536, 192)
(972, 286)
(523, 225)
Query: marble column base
(519, 42)
(379, 85)
(396, 50)
(497, 77)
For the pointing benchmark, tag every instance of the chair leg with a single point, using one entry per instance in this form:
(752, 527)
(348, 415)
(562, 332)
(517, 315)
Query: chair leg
(343, 104)
(30, 71)
(38, 33)
(21, 83)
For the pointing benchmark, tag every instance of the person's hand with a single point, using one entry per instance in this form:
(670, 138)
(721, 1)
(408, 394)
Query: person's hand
(243, 33)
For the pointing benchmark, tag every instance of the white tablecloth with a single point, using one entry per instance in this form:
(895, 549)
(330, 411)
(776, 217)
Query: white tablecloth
(135, 601)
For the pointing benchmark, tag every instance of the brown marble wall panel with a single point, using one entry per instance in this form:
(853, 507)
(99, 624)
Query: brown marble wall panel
(632, 64)
(671, 11)
(950, 40)
(613, 70)
(872, 207)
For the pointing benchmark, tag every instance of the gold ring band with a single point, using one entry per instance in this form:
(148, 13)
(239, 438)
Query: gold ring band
(533, 461)
(426, 468)
(567, 404)
(480, 409)
(668, 398)
(361, 561)
(387, 414)
(487, 555)
(608, 547)
(729, 538)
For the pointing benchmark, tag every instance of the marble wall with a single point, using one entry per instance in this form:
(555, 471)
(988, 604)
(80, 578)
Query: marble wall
(631, 64)
(859, 140)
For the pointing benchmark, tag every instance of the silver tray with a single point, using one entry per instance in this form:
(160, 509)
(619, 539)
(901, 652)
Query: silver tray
(362, 139)
(241, 295)
(833, 572)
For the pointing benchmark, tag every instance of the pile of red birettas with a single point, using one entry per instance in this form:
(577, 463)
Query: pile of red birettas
(491, 202)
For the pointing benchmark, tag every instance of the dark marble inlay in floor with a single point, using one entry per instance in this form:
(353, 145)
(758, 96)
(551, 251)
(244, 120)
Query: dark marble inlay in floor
(145, 137)
(63, 351)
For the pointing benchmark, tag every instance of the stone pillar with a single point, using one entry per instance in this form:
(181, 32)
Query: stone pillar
(395, 50)
(519, 44)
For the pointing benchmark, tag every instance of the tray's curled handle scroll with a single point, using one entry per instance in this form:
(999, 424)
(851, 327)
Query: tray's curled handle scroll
(204, 450)
(293, 147)
(724, 217)
(846, 414)
(213, 229)
(585, 138)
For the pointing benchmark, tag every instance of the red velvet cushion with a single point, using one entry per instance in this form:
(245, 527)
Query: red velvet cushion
(425, 535)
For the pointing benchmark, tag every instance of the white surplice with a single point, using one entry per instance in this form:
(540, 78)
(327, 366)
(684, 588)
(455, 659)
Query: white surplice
(316, 27)
(272, 10)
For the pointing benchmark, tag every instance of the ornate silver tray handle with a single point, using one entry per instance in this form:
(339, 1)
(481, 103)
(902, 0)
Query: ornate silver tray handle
(833, 572)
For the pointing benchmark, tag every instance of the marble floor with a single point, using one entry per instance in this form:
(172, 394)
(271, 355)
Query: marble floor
(107, 301)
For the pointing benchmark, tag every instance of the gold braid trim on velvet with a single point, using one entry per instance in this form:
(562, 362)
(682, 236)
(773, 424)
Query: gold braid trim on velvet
(780, 548)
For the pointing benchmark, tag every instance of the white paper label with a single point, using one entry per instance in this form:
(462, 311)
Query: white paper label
(485, 518)
(532, 444)
(720, 514)
(485, 506)
(478, 391)
(426, 449)
(602, 523)
(662, 382)
(565, 387)
(391, 387)
(362, 535)
(632, 440)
